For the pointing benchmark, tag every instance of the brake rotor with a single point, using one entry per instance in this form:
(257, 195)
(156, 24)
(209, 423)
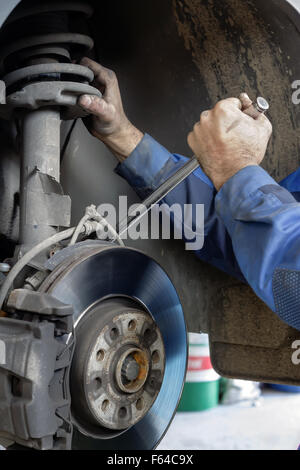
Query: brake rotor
(130, 358)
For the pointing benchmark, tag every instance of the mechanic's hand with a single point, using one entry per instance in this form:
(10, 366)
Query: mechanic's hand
(109, 122)
(226, 140)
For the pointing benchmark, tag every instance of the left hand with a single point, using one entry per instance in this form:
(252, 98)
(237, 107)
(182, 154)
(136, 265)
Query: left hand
(108, 121)
(226, 140)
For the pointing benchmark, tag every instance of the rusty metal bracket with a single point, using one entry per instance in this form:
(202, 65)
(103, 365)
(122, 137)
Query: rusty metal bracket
(39, 95)
(44, 305)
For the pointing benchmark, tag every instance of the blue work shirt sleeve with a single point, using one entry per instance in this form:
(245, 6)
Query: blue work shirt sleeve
(263, 220)
(149, 166)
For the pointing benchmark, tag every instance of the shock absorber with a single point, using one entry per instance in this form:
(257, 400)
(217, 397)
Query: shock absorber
(42, 86)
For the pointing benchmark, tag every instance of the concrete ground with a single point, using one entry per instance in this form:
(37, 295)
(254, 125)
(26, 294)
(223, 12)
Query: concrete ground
(272, 425)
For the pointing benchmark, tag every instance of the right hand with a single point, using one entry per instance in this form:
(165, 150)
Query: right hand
(109, 122)
(226, 140)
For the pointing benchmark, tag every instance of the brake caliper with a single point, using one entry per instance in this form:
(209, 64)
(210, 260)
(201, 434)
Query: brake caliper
(34, 371)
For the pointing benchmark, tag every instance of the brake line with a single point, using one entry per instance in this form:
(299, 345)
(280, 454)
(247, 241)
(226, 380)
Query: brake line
(58, 237)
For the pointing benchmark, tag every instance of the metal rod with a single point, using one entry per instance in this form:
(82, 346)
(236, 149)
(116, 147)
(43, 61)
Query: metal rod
(158, 195)
(40, 153)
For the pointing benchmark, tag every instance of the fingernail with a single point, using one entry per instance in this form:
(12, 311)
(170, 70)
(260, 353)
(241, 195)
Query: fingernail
(245, 96)
(86, 101)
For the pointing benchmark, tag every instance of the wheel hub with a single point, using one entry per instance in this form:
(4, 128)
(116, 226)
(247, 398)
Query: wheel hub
(120, 360)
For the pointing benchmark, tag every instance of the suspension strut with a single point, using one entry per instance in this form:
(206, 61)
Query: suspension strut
(42, 85)
(39, 87)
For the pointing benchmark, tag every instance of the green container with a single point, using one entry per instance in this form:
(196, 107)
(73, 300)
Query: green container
(199, 396)
(202, 388)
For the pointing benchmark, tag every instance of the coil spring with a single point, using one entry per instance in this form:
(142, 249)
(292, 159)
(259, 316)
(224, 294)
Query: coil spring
(49, 52)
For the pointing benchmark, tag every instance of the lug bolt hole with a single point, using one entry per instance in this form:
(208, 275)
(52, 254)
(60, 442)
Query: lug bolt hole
(114, 333)
(132, 325)
(98, 382)
(105, 406)
(140, 404)
(100, 355)
(155, 357)
(147, 335)
(122, 413)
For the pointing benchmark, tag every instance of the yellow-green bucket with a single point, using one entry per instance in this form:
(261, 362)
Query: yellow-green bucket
(201, 390)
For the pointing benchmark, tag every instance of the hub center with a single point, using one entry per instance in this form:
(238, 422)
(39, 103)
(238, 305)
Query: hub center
(132, 370)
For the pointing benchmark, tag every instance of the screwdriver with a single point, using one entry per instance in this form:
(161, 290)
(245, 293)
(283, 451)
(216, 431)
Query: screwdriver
(261, 106)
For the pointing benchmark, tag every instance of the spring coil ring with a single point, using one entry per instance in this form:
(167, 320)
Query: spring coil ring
(50, 38)
(39, 70)
(47, 7)
(47, 72)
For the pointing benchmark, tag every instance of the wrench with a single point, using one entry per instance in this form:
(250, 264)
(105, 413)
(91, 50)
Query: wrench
(261, 106)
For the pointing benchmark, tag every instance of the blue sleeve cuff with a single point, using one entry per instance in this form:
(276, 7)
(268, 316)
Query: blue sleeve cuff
(241, 188)
(146, 165)
(150, 164)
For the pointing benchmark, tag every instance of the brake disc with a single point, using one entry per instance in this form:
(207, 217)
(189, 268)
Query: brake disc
(130, 358)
